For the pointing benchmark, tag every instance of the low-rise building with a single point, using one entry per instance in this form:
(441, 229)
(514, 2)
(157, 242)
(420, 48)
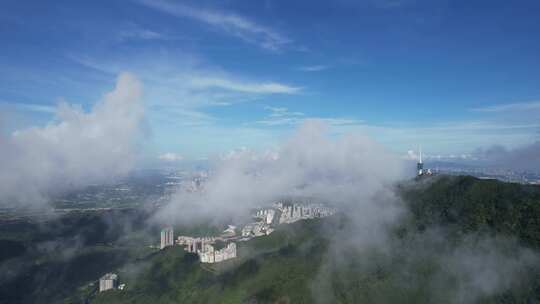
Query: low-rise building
(209, 255)
(195, 244)
(229, 232)
(256, 229)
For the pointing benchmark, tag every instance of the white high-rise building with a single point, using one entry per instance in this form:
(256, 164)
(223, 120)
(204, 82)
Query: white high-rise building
(270, 216)
(167, 237)
(108, 281)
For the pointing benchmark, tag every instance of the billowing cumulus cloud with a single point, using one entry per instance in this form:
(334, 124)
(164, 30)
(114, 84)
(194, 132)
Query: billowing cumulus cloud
(344, 170)
(358, 176)
(76, 149)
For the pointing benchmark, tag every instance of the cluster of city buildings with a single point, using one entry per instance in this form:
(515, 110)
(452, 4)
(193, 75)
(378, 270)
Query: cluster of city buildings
(256, 229)
(204, 247)
(210, 255)
(295, 212)
(195, 244)
(266, 221)
(266, 215)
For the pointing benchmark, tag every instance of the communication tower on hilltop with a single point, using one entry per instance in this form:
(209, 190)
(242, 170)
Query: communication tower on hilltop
(420, 164)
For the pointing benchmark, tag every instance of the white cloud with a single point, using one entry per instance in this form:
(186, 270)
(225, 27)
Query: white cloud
(243, 87)
(343, 170)
(313, 68)
(170, 156)
(390, 4)
(245, 153)
(340, 121)
(30, 107)
(450, 137)
(179, 88)
(184, 81)
(414, 155)
(282, 111)
(513, 107)
(140, 34)
(232, 24)
(76, 149)
(282, 116)
(524, 157)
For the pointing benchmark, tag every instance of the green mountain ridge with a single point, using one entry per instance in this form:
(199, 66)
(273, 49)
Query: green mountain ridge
(293, 265)
(461, 240)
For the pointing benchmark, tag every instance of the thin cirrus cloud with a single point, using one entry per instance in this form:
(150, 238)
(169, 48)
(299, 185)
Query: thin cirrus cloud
(230, 23)
(281, 116)
(282, 111)
(179, 93)
(170, 156)
(29, 107)
(191, 77)
(519, 106)
(313, 68)
(140, 34)
(243, 87)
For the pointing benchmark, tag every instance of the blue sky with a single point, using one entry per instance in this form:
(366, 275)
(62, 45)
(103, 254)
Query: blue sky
(453, 76)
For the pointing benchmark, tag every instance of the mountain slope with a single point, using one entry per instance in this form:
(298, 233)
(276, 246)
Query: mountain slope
(451, 219)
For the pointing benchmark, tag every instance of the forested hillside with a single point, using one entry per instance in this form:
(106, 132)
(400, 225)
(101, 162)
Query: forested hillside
(462, 240)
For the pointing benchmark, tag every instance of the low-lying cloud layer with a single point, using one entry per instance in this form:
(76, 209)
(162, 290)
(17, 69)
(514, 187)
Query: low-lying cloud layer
(76, 149)
(423, 268)
(522, 158)
(343, 170)
(358, 176)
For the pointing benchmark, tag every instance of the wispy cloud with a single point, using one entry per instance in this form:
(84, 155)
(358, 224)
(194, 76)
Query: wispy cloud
(136, 33)
(340, 121)
(313, 68)
(170, 156)
(449, 137)
(230, 23)
(513, 107)
(244, 87)
(282, 112)
(185, 81)
(390, 4)
(180, 117)
(30, 107)
(280, 116)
